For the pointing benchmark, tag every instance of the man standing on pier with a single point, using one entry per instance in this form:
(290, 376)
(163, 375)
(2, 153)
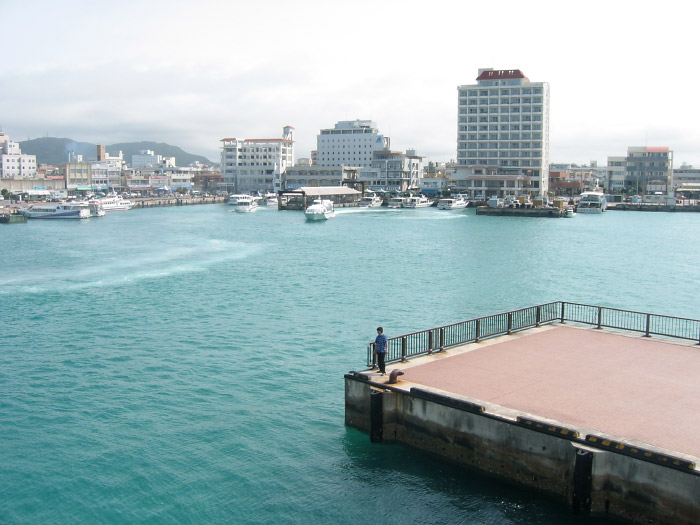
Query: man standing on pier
(380, 348)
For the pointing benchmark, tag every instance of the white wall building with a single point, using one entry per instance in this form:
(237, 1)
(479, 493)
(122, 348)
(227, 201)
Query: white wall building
(616, 174)
(503, 120)
(145, 158)
(393, 170)
(249, 165)
(349, 143)
(13, 163)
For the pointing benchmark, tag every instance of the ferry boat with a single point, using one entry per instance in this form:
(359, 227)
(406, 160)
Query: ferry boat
(417, 201)
(246, 203)
(370, 201)
(592, 202)
(396, 202)
(320, 210)
(452, 203)
(233, 199)
(63, 210)
(113, 203)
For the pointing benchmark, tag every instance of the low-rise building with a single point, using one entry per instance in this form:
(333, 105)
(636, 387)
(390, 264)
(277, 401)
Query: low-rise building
(393, 171)
(482, 182)
(649, 169)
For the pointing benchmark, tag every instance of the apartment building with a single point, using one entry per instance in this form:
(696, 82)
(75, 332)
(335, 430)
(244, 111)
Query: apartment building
(503, 122)
(250, 165)
(349, 143)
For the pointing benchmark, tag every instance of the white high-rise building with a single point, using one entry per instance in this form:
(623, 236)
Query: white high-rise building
(503, 122)
(13, 163)
(249, 165)
(350, 143)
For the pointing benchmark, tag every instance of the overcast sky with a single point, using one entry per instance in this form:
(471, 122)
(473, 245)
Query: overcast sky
(190, 73)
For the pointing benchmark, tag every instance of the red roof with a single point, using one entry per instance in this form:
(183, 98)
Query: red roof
(497, 74)
(657, 150)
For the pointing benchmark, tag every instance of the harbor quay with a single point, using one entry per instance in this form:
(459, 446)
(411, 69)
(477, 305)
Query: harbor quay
(594, 406)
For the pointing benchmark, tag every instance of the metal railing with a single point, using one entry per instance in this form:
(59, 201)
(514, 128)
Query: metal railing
(426, 342)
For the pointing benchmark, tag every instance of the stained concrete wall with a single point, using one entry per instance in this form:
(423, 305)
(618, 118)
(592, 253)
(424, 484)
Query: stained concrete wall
(619, 485)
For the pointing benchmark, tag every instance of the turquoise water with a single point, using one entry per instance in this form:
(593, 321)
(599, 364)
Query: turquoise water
(186, 364)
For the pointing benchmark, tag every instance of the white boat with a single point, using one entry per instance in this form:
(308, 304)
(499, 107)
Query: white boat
(592, 202)
(396, 202)
(569, 212)
(417, 201)
(452, 203)
(320, 210)
(370, 201)
(233, 199)
(246, 203)
(64, 210)
(113, 203)
(270, 199)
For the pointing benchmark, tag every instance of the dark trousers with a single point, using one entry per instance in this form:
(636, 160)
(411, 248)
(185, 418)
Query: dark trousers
(380, 361)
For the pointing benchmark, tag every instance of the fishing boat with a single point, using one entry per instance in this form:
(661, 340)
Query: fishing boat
(370, 200)
(452, 203)
(396, 202)
(417, 201)
(320, 210)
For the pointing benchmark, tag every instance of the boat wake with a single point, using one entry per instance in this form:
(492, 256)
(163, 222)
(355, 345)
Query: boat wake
(106, 270)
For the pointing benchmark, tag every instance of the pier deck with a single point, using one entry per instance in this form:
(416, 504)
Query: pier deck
(606, 420)
(636, 388)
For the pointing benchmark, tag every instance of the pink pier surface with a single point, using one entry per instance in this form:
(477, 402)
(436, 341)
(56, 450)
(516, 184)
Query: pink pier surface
(641, 389)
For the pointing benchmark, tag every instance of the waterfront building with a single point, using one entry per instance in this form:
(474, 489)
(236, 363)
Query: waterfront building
(503, 121)
(686, 178)
(616, 174)
(482, 182)
(649, 169)
(435, 186)
(349, 143)
(78, 175)
(107, 170)
(393, 170)
(14, 164)
(250, 165)
(299, 176)
(570, 180)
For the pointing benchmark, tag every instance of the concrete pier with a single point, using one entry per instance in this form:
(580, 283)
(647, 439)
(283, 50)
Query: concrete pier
(605, 421)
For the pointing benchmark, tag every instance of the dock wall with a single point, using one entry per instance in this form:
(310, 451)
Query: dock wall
(544, 457)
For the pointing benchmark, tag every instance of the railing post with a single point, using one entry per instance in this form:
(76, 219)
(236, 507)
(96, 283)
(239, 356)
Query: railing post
(404, 356)
(442, 338)
(430, 342)
(510, 323)
(600, 318)
(563, 315)
(646, 333)
(476, 340)
(537, 317)
(372, 355)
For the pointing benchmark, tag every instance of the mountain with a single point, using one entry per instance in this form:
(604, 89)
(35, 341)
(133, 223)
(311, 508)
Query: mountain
(55, 151)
